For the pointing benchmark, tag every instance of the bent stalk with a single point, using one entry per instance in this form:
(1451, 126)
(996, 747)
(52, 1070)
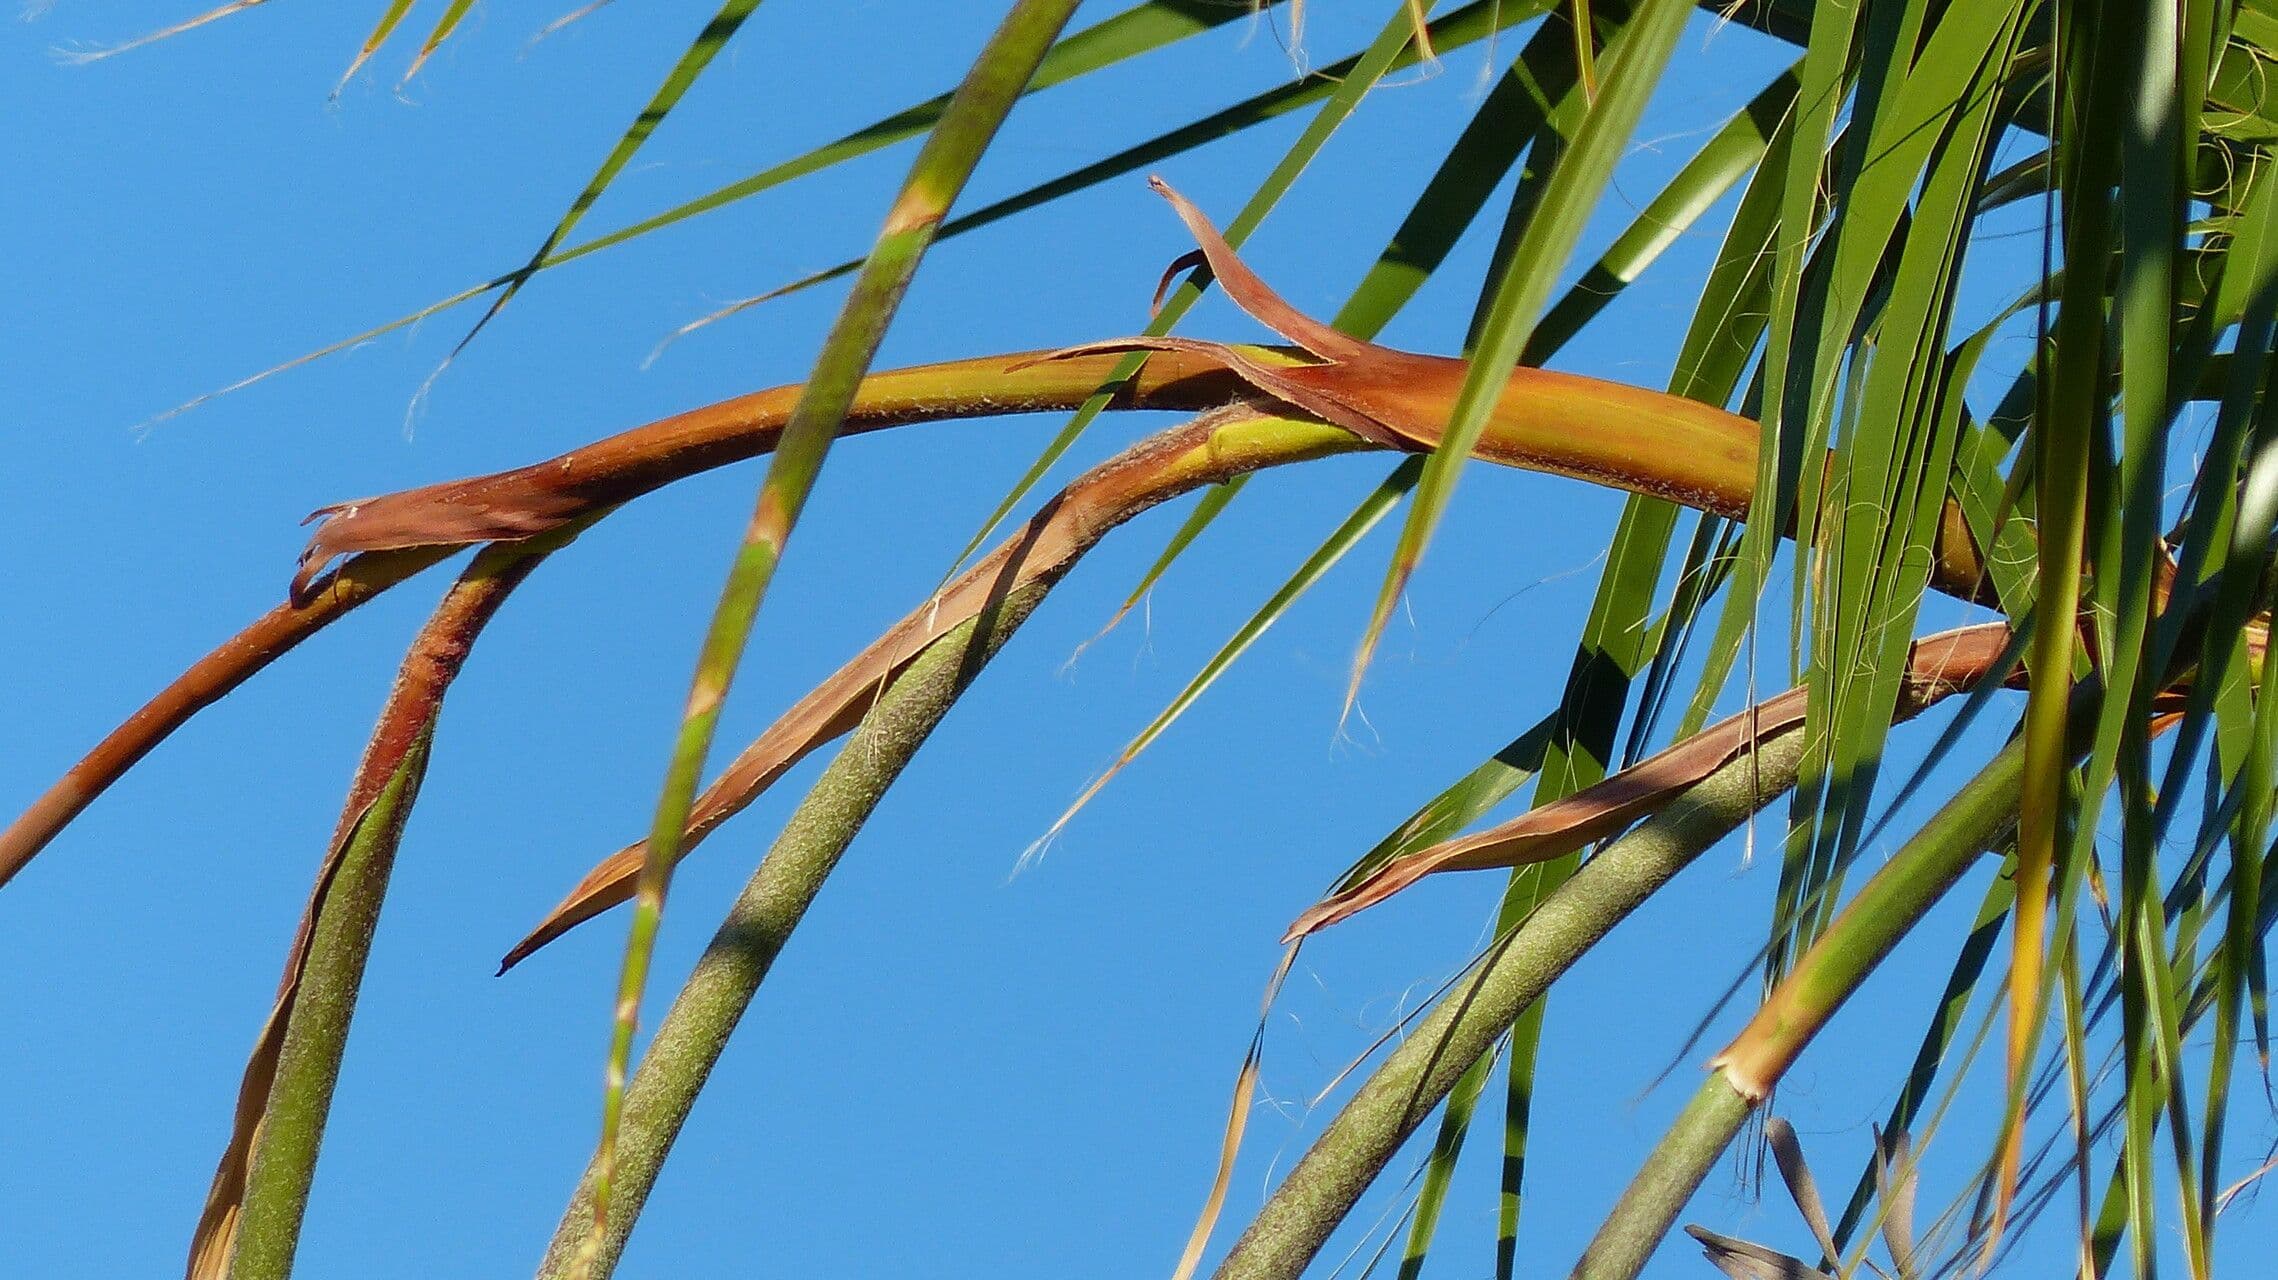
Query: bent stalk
(1624, 437)
(696, 1029)
(1890, 904)
(1385, 1112)
(250, 1226)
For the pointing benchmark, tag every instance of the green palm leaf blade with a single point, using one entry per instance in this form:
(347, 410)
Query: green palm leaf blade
(1142, 29)
(2236, 964)
(2225, 558)
(1528, 888)
(2119, 1212)
(1393, 48)
(390, 19)
(677, 82)
(1937, 1039)
(1537, 87)
(1439, 1165)
(453, 15)
(1730, 155)
(1372, 510)
(1617, 641)
(2102, 1227)
(2074, 1054)
(1460, 804)
(1451, 199)
(1570, 748)
(1713, 362)
(1927, 135)
(1475, 162)
(998, 76)
(2225, 547)
(2221, 552)
(1718, 341)
(1207, 509)
(1711, 554)
(215, 14)
(1139, 30)
(1896, 461)
(2146, 220)
(1791, 212)
(2059, 440)
(1632, 70)
(2152, 198)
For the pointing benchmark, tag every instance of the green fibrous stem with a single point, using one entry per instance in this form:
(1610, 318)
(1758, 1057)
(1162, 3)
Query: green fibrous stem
(778, 895)
(979, 106)
(345, 909)
(1885, 909)
(1318, 1193)
(300, 1101)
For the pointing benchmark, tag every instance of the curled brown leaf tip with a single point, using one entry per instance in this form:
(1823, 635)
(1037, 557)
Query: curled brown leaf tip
(1187, 261)
(1356, 385)
(1255, 296)
(1937, 666)
(507, 507)
(606, 886)
(320, 552)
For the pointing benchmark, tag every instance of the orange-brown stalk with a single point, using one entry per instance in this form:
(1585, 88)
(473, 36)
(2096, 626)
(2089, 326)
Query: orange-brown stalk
(400, 535)
(1642, 441)
(1937, 667)
(395, 756)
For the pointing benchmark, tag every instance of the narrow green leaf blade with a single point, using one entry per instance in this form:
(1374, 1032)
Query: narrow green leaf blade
(996, 80)
(1633, 70)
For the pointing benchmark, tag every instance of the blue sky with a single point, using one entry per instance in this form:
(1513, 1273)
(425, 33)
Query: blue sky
(954, 1069)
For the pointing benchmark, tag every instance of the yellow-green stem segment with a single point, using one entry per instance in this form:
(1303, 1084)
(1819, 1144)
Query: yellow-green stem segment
(1314, 1199)
(695, 1031)
(250, 1229)
(995, 82)
(1890, 904)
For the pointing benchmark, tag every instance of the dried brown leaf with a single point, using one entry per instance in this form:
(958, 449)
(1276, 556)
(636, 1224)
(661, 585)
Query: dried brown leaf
(1795, 1171)
(583, 482)
(433, 661)
(1154, 471)
(1937, 666)
(1744, 1261)
(509, 506)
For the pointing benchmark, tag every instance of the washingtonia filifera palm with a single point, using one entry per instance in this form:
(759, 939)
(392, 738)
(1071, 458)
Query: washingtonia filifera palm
(1827, 430)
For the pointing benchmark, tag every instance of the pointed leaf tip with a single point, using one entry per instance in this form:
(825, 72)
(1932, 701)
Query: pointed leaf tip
(1254, 295)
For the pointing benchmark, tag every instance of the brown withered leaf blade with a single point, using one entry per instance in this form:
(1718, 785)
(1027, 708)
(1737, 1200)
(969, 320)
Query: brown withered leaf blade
(1149, 473)
(520, 503)
(1938, 666)
(1237, 1121)
(398, 746)
(1255, 296)
(78, 57)
(1744, 1261)
(215, 1236)
(1795, 1171)
(1594, 430)
(456, 514)
(1895, 1186)
(1585, 817)
(1333, 390)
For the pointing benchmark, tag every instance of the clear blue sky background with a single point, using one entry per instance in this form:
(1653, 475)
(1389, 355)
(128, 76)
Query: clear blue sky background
(954, 1070)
